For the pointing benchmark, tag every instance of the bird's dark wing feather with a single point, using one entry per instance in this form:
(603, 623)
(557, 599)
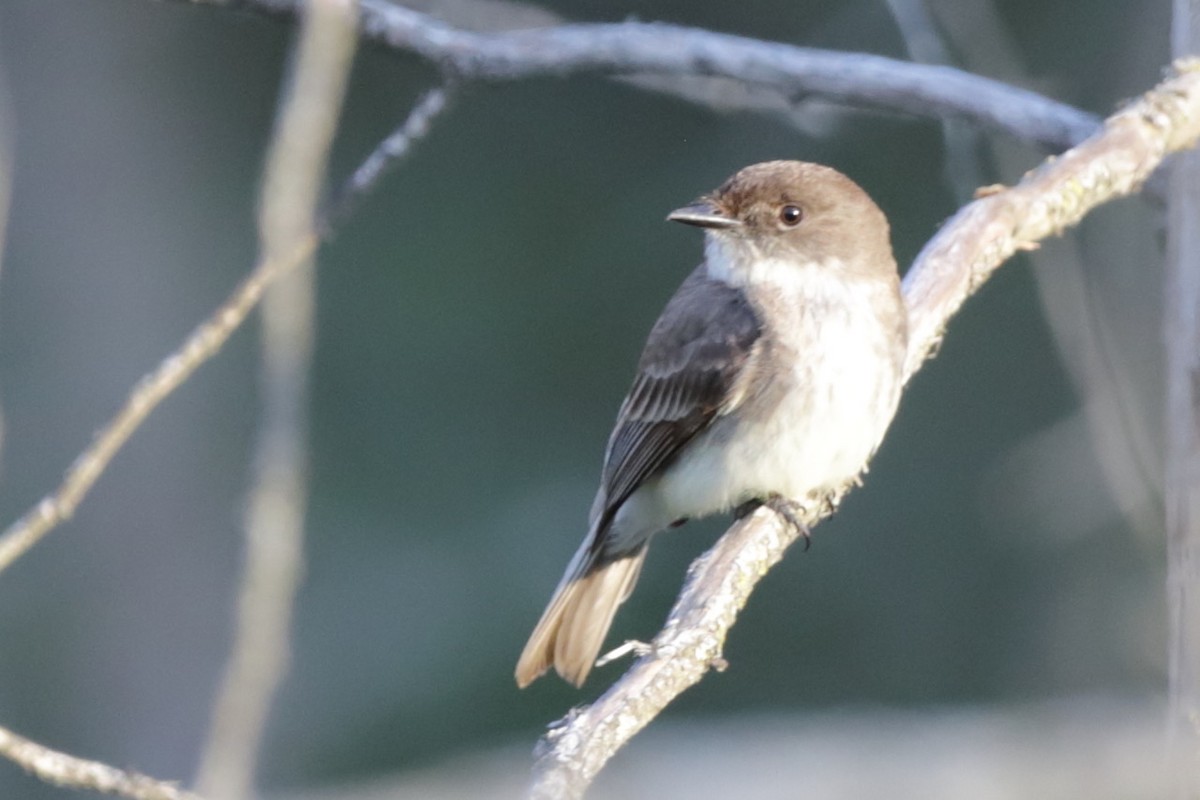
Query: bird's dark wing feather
(692, 359)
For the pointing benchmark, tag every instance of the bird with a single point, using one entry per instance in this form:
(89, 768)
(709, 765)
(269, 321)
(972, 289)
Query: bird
(770, 378)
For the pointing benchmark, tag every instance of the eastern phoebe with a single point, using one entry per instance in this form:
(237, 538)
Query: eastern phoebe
(769, 378)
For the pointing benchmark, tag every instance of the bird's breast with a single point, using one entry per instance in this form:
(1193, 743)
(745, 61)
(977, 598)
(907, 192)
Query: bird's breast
(812, 404)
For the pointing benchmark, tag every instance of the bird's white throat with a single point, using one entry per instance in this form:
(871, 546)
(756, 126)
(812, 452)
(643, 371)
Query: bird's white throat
(742, 264)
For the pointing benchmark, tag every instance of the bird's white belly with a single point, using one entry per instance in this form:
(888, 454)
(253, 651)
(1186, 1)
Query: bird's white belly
(812, 432)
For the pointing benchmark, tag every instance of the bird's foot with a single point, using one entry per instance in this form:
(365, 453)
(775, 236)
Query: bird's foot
(791, 512)
(829, 504)
(633, 646)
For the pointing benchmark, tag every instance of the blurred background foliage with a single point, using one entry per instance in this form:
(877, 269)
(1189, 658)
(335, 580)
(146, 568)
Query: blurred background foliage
(479, 321)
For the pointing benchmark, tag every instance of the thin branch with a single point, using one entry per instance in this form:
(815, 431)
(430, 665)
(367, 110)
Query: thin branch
(7, 163)
(1073, 302)
(201, 345)
(384, 157)
(962, 169)
(981, 236)
(146, 395)
(59, 506)
(950, 268)
(1181, 333)
(70, 772)
(856, 79)
(295, 170)
(1182, 485)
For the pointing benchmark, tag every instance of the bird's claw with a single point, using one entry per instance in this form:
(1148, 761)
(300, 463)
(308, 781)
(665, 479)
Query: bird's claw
(792, 513)
(638, 649)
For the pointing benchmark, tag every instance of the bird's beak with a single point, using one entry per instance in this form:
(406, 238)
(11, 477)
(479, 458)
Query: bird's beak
(703, 215)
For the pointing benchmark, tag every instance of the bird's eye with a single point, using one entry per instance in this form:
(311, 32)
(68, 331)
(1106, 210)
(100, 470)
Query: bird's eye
(791, 215)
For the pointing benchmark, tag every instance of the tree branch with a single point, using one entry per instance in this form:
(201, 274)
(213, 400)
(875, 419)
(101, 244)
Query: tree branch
(385, 155)
(201, 345)
(1181, 334)
(292, 180)
(156, 386)
(855, 79)
(70, 772)
(950, 268)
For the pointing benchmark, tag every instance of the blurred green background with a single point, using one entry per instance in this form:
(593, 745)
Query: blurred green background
(480, 317)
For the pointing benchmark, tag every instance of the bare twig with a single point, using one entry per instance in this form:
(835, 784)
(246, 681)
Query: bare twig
(961, 163)
(1182, 487)
(6, 178)
(384, 157)
(1072, 295)
(1111, 164)
(855, 79)
(151, 390)
(952, 266)
(203, 343)
(1181, 328)
(60, 505)
(70, 772)
(274, 262)
(292, 180)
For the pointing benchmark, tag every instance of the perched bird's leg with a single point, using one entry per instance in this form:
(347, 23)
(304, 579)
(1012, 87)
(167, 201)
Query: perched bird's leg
(791, 512)
(638, 649)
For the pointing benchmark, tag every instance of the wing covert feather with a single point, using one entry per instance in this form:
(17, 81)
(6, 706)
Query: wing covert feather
(686, 375)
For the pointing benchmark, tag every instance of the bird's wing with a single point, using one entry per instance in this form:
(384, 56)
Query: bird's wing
(687, 376)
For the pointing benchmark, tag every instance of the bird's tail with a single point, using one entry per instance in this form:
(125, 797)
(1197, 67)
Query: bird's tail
(572, 628)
